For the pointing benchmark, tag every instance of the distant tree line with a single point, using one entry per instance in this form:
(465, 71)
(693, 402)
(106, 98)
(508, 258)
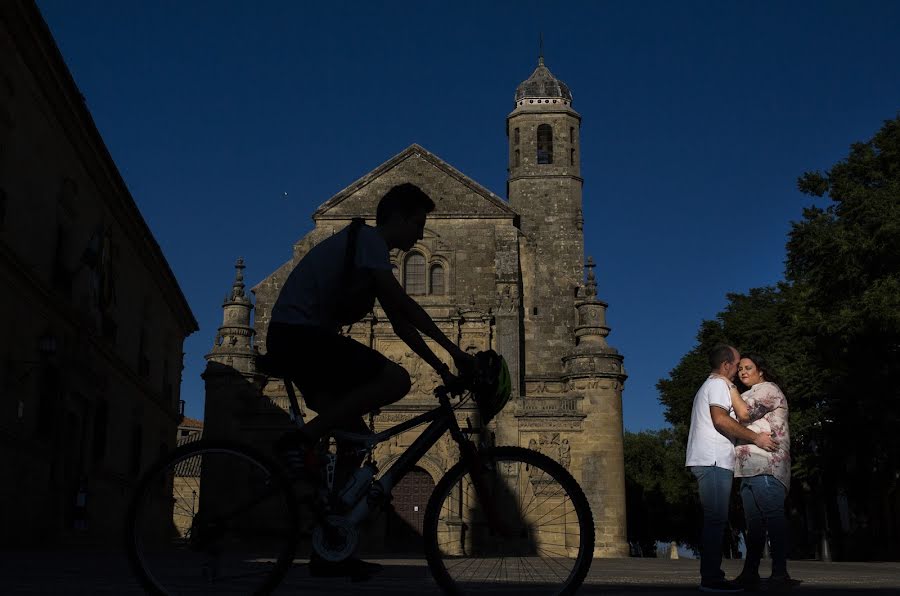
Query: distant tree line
(831, 329)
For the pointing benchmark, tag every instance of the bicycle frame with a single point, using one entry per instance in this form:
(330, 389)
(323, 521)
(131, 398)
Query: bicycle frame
(442, 419)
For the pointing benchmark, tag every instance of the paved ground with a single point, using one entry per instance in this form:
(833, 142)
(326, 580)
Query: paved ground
(83, 573)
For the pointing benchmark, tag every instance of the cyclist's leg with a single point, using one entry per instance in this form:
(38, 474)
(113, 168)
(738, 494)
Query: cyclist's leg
(333, 369)
(389, 385)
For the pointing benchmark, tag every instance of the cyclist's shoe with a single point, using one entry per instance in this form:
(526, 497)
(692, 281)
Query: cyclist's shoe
(355, 569)
(298, 454)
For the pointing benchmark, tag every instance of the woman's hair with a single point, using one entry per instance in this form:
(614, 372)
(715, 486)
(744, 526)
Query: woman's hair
(763, 367)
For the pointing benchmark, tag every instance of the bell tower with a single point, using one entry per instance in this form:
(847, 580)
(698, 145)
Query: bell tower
(544, 187)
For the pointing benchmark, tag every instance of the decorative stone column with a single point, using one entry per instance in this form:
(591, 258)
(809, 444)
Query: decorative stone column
(229, 374)
(595, 370)
(508, 343)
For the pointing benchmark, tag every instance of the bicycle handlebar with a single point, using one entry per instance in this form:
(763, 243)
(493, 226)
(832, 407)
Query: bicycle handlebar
(455, 387)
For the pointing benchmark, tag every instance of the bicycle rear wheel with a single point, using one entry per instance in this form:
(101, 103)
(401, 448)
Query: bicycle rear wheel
(212, 517)
(532, 534)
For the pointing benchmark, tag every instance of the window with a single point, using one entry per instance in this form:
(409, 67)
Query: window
(516, 159)
(49, 400)
(572, 157)
(544, 144)
(143, 367)
(137, 440)
(515, 136)
(571, 135)
(168, 394)
(101, 423)
(414, 274)
(62, 276)
(437, 280)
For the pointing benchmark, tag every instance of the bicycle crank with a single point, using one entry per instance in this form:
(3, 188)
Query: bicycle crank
(335, 539)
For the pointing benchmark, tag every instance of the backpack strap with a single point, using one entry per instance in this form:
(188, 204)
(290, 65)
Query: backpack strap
(350, 256)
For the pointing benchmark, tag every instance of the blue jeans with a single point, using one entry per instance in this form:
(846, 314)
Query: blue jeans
(763, 498)
(714, 485)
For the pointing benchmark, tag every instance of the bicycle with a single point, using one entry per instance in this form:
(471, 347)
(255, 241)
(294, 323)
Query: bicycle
(500, 518)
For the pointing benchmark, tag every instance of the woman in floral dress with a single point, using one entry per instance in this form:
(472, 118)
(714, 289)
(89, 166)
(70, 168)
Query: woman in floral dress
(765, 476)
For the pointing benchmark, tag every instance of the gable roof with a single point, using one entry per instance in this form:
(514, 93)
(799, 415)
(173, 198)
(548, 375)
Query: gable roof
(492, 205)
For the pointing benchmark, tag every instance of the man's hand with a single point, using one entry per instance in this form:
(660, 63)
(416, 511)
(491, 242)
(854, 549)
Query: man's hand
(446, 376)
(465, 363)
(765, 442)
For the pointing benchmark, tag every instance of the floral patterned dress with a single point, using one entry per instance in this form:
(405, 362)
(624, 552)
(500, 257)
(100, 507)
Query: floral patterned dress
(768, 414)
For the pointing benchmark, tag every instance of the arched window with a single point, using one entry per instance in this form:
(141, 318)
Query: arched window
(137, 443)
(516, 160)
(544, 144)
(414, 274)
(101, 425)
(437, 280)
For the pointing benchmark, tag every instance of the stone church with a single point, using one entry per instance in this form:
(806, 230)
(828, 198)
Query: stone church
(492, 273)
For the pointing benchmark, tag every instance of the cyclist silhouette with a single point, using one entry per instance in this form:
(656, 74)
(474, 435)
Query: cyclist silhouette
(336, 284)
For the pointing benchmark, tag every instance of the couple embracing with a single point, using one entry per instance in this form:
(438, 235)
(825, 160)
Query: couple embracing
(743, 435)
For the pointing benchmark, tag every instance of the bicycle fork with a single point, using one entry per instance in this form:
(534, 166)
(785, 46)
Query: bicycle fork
(472, 459)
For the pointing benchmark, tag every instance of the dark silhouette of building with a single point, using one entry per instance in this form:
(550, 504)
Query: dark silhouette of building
(93, 318)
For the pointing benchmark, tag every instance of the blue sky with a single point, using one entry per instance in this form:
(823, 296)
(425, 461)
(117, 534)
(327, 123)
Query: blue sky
(697, 119)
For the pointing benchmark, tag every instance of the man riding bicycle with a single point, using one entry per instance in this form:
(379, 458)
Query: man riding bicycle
(336, 284)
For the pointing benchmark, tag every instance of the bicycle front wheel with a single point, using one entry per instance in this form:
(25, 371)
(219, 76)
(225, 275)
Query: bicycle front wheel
(519, 525)
(212, 517)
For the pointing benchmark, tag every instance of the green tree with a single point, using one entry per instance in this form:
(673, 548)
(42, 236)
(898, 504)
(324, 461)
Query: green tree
(844, 260)
(662, 499)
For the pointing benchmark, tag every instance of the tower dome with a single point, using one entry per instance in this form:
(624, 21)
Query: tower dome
(542, 84)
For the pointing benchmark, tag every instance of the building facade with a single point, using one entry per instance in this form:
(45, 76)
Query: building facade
(492, 273)
(94, 320)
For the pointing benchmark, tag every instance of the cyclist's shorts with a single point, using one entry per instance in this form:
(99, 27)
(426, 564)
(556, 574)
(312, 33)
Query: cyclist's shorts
(322, 362)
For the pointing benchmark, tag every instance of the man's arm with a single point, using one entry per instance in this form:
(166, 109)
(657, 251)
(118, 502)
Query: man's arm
(732, 429)
(408, 319)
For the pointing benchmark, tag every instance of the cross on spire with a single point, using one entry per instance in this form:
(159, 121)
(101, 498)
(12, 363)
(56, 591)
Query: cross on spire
(541, 53)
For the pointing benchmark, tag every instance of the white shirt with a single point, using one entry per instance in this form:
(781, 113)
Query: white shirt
(706, 446)
(309, 291)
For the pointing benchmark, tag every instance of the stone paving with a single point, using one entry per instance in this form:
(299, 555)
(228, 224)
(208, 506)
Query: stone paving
(92, 573)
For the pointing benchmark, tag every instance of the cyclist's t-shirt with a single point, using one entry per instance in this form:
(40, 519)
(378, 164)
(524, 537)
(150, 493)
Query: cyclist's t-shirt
(310, 291)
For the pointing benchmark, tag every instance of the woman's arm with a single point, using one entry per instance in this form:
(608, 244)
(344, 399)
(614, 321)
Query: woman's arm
(741, 411)
(737, 404)
(765, 398)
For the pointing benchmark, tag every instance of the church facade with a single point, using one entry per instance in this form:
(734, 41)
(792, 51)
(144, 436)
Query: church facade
(492, 273)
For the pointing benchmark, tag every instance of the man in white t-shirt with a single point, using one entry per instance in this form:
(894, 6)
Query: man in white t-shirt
(710, 457)
(334, 285)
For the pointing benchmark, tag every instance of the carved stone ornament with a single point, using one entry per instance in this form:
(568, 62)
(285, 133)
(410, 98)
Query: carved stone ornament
(546, 424)
(508, 300)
